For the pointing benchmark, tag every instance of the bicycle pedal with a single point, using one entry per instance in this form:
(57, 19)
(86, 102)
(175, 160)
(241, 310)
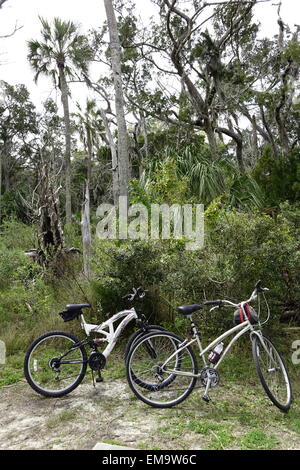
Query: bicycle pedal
(206, 398)
(99, 379)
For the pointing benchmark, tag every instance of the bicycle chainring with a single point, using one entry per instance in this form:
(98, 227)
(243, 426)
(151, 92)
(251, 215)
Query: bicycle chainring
(209, 372)
(97, 361)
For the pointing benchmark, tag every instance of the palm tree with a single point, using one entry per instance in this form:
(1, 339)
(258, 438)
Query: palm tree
(63, 54)
(209, 180)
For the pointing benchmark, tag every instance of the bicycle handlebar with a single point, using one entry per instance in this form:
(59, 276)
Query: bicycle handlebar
(259, 288)
(139, 292)
(220, 303)
(213, 302)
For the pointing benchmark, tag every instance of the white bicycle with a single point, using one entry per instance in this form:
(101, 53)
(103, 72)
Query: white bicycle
(162, 368)
(56, 362)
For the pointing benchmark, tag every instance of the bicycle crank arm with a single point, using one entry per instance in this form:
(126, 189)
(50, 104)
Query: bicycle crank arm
(206, 396)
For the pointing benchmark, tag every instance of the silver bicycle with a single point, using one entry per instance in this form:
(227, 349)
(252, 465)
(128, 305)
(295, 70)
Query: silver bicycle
(162, 368)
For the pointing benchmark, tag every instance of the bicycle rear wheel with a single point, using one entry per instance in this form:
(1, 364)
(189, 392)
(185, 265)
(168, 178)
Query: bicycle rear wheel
(272, 372)
(54, 365)
(163, 375)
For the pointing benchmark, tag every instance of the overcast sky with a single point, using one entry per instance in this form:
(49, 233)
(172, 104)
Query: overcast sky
(14, 67)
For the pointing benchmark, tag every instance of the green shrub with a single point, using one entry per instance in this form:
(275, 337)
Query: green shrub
(240, 249)
(118, 267)
(15, 266)
(15, 235)
(279, 180)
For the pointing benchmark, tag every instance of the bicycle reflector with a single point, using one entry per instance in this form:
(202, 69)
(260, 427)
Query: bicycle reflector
(250, 312)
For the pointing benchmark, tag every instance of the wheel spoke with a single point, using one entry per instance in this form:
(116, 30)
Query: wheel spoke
(53, 366)
(272, 372)
(153, 377)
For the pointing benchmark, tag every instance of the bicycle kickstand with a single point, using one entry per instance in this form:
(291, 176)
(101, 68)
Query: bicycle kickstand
(206, 397)
(99, 378)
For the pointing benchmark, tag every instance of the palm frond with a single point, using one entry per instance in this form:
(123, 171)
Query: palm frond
(245, 193)
(61, 44)
(46, 30)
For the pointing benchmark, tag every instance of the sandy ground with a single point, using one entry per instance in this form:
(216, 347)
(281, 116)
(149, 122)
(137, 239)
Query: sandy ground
(110, 413)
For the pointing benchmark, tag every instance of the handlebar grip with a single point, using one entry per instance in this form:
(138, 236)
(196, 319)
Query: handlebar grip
(127, 297)
(213, 302)
(259, 287)
(139, 292)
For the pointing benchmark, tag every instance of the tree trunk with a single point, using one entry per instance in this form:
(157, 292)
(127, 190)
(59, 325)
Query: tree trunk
(123, 142)
(254, 139)
(0, 185)
(269, 132)
(198, 103)
(211, 137)
(5, 165)
(65, 101)
(239, 145)
(50, 231)
(89, 159)
(114, 157)
(86, 234)
(239, 154)
(280, 113)
(145, 149)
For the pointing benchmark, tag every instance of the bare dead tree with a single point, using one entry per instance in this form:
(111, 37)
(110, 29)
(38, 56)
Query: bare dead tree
(50, 231)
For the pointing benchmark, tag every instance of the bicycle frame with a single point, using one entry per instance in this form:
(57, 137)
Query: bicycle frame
(241, 329)
(111, 335)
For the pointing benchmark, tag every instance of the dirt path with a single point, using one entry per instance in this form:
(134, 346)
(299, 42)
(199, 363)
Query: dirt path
(77, 421)
(110, 413)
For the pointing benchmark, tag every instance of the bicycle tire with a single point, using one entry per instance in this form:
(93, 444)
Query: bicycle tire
(27, 365)
(132, 341)
(258, 350)
(164, 386)
(138, 334)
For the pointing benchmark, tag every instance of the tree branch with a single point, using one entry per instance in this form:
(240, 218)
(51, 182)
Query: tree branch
(173, 9)
(237, 2)
(235, 25)
(17, 28)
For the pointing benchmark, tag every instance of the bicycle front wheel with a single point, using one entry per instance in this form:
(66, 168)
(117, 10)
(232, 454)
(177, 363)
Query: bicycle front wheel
(159, 372)
(54, 365)
(272, 372)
